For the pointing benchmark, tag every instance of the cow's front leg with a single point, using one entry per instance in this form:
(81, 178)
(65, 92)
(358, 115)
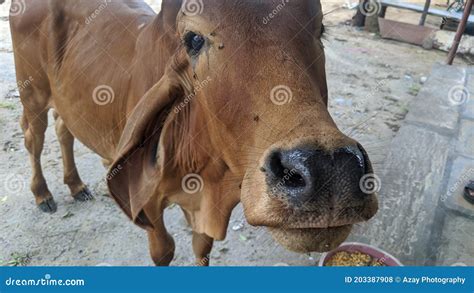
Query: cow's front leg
(161, 243)
(202, 246)
(79, 190)
(161, 247)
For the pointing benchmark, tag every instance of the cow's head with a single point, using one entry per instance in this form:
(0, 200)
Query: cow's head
(241, 111)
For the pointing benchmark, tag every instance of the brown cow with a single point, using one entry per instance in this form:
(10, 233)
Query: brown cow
(230, 96)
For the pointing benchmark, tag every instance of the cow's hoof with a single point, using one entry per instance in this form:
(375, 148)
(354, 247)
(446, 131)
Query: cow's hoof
(48, 206)
(83, 195)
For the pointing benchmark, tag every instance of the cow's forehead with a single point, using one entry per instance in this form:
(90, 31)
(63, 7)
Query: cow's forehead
(243, 18)
(254, 11)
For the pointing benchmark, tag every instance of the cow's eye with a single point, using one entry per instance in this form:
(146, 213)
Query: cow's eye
(194, 43)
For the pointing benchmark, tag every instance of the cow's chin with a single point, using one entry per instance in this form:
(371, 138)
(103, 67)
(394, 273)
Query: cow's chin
(311, 239)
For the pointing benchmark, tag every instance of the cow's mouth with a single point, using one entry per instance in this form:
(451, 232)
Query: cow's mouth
(306, 231)
(311, 239)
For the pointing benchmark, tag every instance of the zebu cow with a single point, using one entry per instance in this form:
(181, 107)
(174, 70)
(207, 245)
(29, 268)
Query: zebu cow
(230, 94)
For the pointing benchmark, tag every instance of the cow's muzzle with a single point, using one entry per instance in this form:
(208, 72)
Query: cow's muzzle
(303, 177)
(308, 196)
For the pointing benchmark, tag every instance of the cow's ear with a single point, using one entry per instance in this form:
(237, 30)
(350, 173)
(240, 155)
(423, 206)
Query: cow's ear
(169, 12)
(134, 176)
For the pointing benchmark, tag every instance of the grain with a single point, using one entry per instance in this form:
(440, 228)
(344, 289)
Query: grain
(353, 259)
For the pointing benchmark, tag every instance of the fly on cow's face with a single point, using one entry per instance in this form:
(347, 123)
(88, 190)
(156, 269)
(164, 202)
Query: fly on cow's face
(194, 43)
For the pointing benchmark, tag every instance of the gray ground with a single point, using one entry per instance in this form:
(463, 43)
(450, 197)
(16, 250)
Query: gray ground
(371, 82)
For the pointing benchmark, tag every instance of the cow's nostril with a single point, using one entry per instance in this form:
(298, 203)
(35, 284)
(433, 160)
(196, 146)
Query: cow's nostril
(285, 175)
(276, 167)
(295, 180)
